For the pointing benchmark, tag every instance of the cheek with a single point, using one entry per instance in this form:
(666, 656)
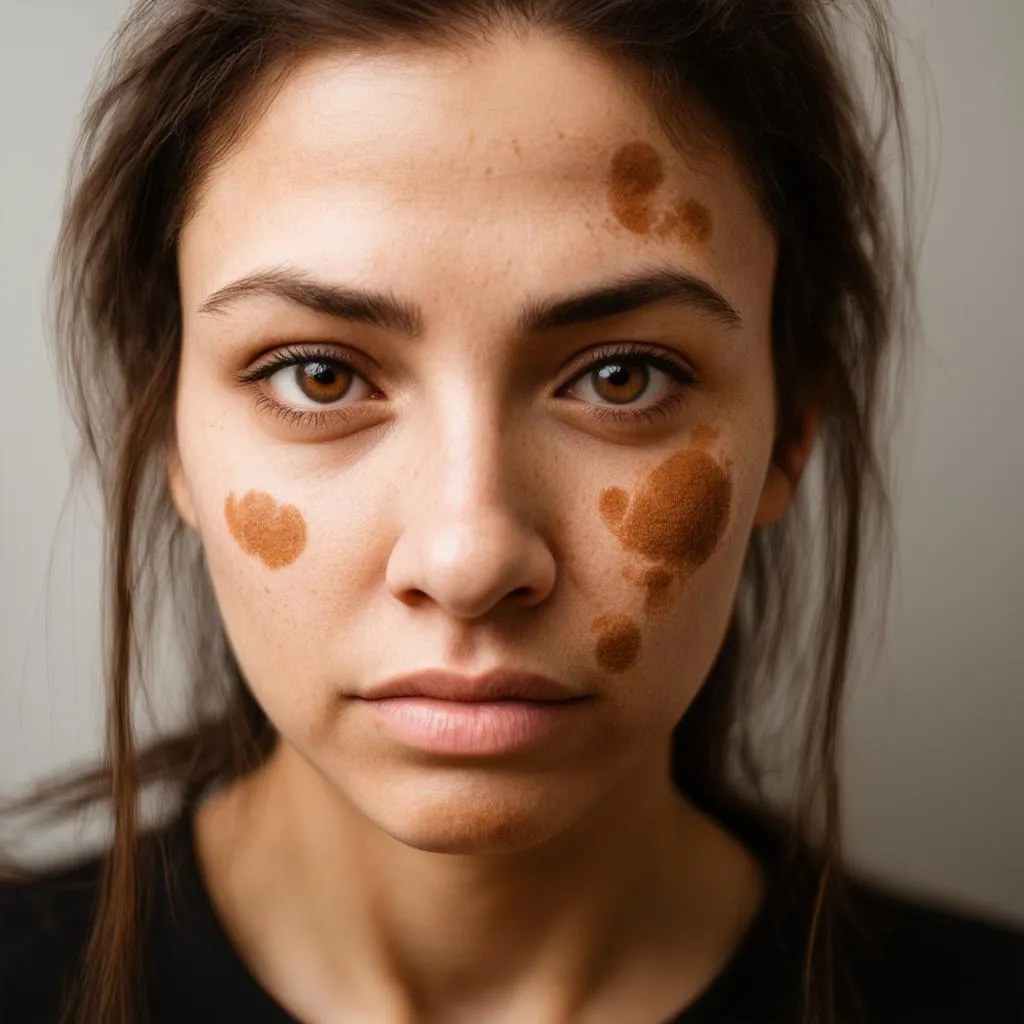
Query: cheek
(682, 536)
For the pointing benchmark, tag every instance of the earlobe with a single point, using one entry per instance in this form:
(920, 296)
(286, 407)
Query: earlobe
(784, 471)
(179, 487)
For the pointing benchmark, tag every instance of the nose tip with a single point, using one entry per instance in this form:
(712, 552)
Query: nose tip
(468, 568)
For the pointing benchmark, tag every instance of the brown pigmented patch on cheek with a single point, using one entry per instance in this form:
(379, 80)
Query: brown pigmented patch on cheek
(637, 172)
(275, 534)
(619, 642)
(680, 512)
(613, 504)
(656, 582)
(676, 519)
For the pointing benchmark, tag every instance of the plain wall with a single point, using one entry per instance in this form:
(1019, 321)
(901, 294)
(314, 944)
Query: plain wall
(934, 765)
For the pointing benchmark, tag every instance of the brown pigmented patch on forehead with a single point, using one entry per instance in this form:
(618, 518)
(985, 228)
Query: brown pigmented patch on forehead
(618, 643)
(637, 172)
(274, 534)
(688, 220)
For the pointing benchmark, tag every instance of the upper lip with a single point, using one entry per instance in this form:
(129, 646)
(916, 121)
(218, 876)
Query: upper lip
(498, 684)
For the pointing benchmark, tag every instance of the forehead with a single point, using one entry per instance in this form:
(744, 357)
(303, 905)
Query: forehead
(516, 144)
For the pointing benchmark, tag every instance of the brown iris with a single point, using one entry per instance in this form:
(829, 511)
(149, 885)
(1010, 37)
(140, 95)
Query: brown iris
(621, 381)
(322, 381)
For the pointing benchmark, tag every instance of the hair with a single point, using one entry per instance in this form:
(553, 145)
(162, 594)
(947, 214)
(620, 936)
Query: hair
(183, 80)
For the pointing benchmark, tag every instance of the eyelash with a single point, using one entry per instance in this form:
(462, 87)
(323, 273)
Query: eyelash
(626, 353)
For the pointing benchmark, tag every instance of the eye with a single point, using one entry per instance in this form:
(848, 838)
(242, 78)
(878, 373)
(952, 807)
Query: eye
(619, 378)
(311, 385)
(320, 381)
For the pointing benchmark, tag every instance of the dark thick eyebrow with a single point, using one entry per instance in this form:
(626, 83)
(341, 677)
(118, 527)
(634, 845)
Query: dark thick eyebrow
(380, 309)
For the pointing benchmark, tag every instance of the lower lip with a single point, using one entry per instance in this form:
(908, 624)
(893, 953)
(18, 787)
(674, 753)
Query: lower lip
(487, 727)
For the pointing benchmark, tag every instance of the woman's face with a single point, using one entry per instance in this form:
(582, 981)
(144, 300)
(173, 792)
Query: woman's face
(464, 482)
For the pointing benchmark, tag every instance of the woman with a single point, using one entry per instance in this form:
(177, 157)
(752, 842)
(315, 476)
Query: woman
(464, 360)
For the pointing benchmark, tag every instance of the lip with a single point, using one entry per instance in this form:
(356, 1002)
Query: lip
(475, 728)
(497, 685)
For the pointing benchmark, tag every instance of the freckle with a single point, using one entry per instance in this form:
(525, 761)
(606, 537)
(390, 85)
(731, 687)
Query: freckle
(704, 433)
(561, 135)
(275, 534)
(687, 220)
(618, 646)
(612, 503)
(515, 146)
(637, 171)
(487, 171)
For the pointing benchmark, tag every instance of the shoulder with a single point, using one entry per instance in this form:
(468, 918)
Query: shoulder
(44, 924)
(912, 958)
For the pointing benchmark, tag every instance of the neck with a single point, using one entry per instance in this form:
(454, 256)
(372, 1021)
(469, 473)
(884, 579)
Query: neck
(329, 910)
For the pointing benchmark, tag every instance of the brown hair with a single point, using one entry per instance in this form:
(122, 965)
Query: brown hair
(774, 77)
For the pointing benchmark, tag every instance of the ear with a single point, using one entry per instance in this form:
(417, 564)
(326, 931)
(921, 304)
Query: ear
(786, 468)
(178, 486)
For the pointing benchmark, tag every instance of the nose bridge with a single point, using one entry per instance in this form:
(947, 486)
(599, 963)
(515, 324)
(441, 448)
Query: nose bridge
(469, 537)
(473, 459)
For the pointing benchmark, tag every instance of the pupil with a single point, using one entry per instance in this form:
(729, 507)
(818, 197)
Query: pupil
(616, 374)
(617, 377)
(321, 373)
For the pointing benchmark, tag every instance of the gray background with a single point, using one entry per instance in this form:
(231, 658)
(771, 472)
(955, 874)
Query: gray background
(934, 762)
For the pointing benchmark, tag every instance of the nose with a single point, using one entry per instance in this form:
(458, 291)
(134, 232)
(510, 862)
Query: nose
(468, 542)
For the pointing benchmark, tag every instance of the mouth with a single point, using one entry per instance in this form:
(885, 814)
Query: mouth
(478, 727)
(499, 684)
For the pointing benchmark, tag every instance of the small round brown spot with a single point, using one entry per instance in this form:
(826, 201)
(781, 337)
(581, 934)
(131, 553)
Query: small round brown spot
(619, 644)
(613, 503)
(688, 221)
(276, 535)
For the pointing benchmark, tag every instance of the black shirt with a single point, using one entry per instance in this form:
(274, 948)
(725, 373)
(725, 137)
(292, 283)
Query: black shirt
(904, 961)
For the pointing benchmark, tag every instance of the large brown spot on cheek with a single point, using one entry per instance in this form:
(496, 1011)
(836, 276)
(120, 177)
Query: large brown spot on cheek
(618, 645)
(676, 520)
(636, 173)
(680, 512)
(276, 535)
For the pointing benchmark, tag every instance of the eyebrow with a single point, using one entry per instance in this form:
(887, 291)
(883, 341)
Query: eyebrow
(619, 295)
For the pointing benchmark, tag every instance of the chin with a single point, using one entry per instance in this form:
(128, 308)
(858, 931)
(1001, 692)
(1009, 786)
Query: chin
(469, 814)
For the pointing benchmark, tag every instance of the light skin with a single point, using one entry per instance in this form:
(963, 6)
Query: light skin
(463, 504)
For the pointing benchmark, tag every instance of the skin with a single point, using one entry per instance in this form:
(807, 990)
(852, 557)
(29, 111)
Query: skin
(475, 513)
